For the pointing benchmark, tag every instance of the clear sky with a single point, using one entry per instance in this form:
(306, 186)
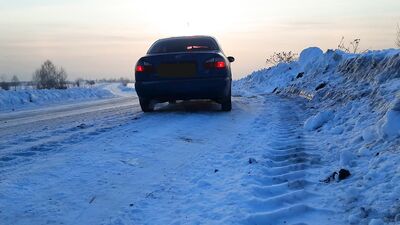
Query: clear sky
(102, 38)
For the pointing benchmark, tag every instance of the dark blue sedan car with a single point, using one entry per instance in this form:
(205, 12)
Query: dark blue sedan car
(184, 68)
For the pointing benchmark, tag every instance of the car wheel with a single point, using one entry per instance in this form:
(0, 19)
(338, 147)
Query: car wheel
(146, 105)
(226, 104)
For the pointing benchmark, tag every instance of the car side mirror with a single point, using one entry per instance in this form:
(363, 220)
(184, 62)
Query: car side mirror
(231, 59)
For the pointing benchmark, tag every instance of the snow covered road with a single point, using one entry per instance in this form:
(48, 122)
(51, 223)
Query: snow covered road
(108, 163)
(48, 113)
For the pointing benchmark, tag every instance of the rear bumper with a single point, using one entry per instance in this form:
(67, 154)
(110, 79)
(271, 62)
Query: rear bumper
(184, 89)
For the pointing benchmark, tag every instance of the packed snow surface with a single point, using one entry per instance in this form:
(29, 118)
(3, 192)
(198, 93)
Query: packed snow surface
(314, 141)
(187, 164)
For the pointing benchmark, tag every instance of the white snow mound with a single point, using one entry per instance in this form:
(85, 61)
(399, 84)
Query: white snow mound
(318, 120)
(310, 55)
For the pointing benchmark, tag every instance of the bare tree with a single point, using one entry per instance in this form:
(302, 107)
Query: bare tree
(353, 47)
(281, 57)
(61, 79)
(15, 82)
(398, 36)
(49, 76)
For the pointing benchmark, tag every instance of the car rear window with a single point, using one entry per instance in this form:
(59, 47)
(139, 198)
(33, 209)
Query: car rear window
(183, 45)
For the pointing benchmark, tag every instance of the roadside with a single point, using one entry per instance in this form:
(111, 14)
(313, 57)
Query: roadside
(22, 100)
(354, 100)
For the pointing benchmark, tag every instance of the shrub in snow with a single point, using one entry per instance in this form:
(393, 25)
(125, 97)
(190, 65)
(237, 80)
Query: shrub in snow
(318, 120)
(353, 46)
(281, 57)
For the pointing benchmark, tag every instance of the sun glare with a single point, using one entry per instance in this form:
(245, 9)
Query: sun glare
(174, 18)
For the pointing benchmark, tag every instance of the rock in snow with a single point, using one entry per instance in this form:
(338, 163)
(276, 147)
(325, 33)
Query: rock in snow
(343, 174)
(337, 176)
(252, 161)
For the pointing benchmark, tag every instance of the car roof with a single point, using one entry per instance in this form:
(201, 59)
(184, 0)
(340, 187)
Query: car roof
(186, 37)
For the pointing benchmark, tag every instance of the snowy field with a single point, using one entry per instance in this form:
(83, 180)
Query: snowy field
(310, 142)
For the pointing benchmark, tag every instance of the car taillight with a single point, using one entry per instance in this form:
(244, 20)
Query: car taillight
(215, 63)
(139, 68)
(144, 67)
(219, 64)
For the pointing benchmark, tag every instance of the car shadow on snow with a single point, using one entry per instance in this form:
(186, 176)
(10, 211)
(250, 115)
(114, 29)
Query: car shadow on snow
(189, 106)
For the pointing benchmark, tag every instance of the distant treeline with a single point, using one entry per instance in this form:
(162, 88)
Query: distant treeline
(49, 76)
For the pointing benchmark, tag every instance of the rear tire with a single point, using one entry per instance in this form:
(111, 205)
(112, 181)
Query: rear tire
(226, 104)
(146, 105)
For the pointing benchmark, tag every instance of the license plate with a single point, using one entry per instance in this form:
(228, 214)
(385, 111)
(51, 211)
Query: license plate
(177, 69)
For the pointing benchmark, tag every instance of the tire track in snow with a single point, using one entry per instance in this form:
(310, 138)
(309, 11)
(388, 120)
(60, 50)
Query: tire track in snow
(283, 192)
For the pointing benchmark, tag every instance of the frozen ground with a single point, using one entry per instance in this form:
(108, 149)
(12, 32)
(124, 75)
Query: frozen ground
(270, 161)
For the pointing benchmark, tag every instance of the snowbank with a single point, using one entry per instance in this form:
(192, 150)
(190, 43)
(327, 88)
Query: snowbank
(130, 87)
(363, 133)
(13, 100)
(121, 90)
